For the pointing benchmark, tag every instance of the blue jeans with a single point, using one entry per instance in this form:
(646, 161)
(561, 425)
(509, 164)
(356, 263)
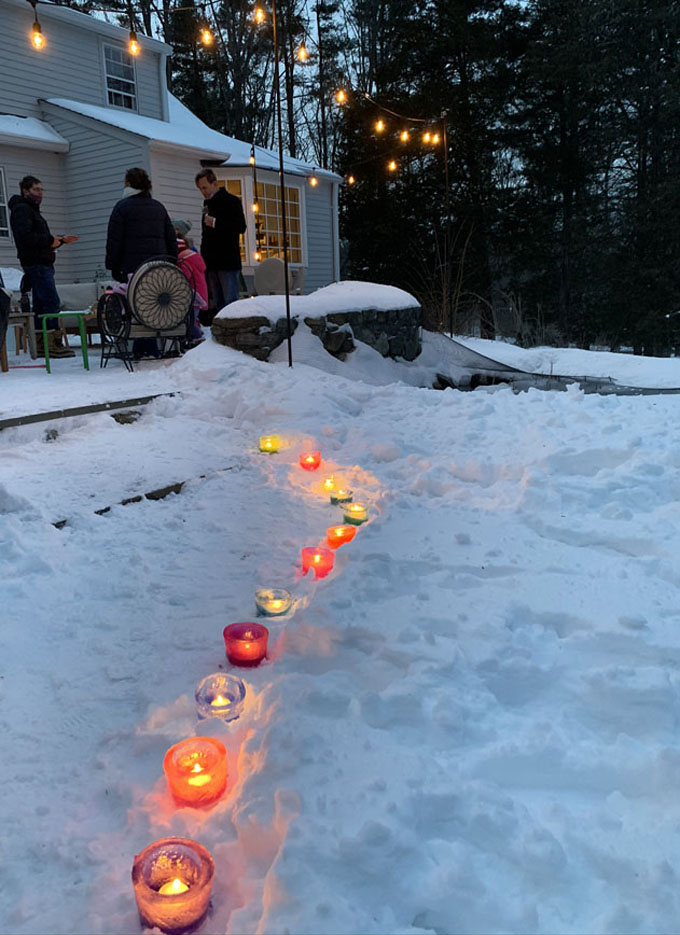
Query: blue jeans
(223, 285)
(46, 299)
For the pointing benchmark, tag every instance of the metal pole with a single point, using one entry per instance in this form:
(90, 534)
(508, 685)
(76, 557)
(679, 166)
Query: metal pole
(447, 226)
(284, 225)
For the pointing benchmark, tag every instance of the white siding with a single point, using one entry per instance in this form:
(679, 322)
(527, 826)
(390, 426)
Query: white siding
(49, 168)
(71, 65)
(93, 176)
(320, 235)
(172, 176)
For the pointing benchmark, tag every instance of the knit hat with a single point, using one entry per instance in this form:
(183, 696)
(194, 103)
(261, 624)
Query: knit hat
(181, 226)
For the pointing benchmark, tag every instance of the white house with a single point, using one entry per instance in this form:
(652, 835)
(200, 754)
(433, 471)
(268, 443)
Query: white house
(82, 110)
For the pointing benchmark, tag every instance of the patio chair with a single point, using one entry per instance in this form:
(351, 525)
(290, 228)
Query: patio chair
(158, 304)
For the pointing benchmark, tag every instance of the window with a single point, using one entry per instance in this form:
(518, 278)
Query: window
(233, 186)
(4, 212)
(269, 234)
(120, 77)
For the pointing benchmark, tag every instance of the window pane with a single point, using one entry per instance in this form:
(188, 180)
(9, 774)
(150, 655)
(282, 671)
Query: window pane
(120, 78)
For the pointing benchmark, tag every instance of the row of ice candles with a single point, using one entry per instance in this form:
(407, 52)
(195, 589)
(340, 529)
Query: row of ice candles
(172, 878)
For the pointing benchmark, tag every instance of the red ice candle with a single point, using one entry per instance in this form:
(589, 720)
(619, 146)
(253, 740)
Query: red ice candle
(310, 460)
(318, 558)
(246, 643)
(196, 770)
(339, 535)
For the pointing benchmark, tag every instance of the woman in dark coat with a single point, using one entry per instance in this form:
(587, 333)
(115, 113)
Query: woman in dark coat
(139, 228)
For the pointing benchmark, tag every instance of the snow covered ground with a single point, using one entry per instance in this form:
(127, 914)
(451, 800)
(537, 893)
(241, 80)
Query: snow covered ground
(470, 726)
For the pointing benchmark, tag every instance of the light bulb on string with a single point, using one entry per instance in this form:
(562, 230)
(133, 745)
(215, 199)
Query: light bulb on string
(379, 126)
(351, 180)
(255, 207)
(313, 181)
(427, 136)
(392, 165)
(259, 14)
(207, 37)
(133, 43)
(341, 96)
(302, 54)
(404, 136)
(435, 139)
(257, 256)
(37, 38)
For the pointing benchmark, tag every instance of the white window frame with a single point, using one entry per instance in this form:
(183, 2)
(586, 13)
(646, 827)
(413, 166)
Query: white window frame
(272, 178)
(124, 94)
(5, 233)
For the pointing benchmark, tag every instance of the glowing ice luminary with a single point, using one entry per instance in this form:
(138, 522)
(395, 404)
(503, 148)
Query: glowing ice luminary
(273, 602)
(355, 513)
(310, 460)
(220, 695)
(339, 535)
(318, 558)
(172, 879)
(245, 643)
(341, 495)
(328, 484)
(196, 770)
(270, 444)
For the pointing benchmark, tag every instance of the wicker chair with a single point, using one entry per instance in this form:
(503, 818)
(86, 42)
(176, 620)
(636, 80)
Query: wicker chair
(159, 304)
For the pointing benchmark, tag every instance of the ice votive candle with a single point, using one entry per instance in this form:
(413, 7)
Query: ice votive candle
(339, 535)
(220, 695)
(172, 879)
(328, 484)
(355, 513)
(196, 770)
(318, 558)
(273, 602)
(310, 460)
(270, 444)
(341, 495)
(245, 643)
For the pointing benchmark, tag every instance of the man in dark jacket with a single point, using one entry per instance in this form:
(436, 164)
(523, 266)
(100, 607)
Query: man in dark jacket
(36, 249)
(139, 228)
(223, 224)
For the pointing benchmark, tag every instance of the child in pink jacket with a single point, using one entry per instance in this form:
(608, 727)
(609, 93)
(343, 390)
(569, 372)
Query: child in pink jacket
(192, 265)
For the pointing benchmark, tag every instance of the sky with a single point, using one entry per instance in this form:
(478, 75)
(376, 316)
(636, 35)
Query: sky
(469, 725)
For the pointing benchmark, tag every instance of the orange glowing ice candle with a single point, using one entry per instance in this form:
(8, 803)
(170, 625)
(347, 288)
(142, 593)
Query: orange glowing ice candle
(318, 558)
(196, 770)
(328, 484)
(310, 460)
(245, 643)
(339, 535)
(172, 880)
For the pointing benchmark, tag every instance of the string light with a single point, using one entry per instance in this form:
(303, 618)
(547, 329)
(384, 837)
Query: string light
(257, 256)
(380, 126)
(351, 180)
(133, 43)
(255, 206)
(207, 37)
(427, 136)
(313, 181)
(404, 136)
(259, 14)
(392, 165)
(37, 37)
(341, 96)
(435, 138)
(302, 53)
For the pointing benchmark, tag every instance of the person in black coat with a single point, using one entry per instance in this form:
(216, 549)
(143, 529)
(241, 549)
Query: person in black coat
(139, 228)
(36, 251)
(223, 224)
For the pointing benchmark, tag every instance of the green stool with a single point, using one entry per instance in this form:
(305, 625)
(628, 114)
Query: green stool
(81, 328)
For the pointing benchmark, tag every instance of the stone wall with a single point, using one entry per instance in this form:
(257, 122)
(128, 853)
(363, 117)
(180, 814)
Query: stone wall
(393, 333)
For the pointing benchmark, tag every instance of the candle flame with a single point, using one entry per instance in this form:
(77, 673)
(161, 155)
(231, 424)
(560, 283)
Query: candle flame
(172, 887)
(219, 702)
(248, 635)
(277, 604)
(197, 768)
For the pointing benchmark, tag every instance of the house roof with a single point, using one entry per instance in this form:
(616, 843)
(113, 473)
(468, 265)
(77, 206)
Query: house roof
(184, 129)
(31, 134)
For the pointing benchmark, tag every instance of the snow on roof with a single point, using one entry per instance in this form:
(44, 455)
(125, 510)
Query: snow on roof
(30, 133)
(347, 296)
(182, 129)
(185, 129)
